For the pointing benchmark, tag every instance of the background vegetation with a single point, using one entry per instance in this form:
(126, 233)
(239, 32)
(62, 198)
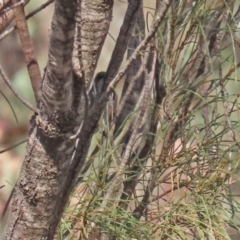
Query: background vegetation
(186, 187)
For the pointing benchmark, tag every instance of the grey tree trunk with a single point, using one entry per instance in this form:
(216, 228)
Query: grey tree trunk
(48, 173)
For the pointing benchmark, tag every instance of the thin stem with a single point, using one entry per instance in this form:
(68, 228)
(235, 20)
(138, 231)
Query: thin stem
(28, 49)
(8, 82)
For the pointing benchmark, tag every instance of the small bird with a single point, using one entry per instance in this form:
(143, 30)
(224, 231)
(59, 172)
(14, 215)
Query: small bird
(97, 87)
(96, 92)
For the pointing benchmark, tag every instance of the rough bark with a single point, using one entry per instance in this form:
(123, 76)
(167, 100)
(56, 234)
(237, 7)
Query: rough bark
(92, 28)
(42, 190)
(7, 16)
(36, 206)
(48, 173)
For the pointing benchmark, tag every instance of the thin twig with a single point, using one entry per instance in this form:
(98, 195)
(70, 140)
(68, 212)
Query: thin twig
(7, 13)
(142, 45)
(15, 145)
(11, 7)
(10, 197)
(7, 204)
(31, 14)
(15, 116)
(39, 9)
(28, 50)
(142, 104)
(8, 82)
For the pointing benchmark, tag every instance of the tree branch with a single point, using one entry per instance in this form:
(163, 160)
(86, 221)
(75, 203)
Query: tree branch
(8, 82)
(36, 204)
(10, 30)
(7, 17)
(27, 47)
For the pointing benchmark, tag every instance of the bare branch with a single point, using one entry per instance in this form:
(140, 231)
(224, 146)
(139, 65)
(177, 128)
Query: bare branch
(95, 15)
(11, 7)
(27, 47)
(7, 17)
(59, 66)
(96, 111)
(49, 128)
(143, 44)
(122, 40)
(134, 80)
(8, 82)
(15, 145)
(10, 30)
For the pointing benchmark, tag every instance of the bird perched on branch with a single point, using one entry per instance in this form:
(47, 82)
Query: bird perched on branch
(96, 92)
(97, 88)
